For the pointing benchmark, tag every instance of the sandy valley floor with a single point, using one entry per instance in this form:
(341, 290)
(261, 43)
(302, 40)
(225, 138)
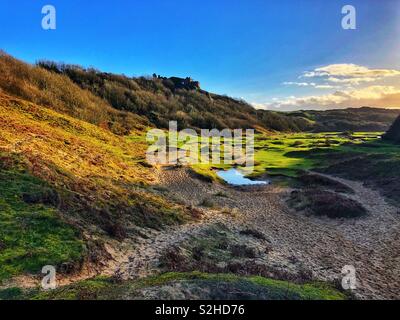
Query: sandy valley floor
(296, 242)
(292, 243)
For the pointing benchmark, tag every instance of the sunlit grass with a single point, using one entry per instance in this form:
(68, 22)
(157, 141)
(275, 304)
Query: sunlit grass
(289, 154)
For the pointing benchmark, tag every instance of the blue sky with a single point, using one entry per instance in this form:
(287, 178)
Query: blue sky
(254, 49)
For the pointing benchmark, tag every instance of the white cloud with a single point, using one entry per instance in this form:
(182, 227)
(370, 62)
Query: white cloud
(352, 81)
(300, 84)
(378, 96)
(324, 86)
(309, 84)
(350, 73)
(348, 81)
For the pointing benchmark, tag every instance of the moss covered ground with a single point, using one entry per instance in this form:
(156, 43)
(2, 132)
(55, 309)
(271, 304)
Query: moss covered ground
(32, 234)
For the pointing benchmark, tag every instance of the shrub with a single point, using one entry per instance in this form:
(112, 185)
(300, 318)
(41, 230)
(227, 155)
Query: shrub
(208, 203)
(242, 251)
(326, 203)
(253, 233)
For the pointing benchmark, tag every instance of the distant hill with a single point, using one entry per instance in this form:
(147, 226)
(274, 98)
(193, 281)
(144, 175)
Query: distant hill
(393, 134)
(351, 119)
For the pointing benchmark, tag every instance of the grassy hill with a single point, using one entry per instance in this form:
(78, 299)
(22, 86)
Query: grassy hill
(351, 119)
(72, 169)
(160, 99)
(60, 94)
(64, 182)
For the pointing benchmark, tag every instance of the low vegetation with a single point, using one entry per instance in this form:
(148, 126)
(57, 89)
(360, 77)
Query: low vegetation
(360, 156)
(31, 232)
(291, 154)
(326, 203)
(220, 250)
(378, 170)
(59, 93)
(350, 119)
(61, 177)
(176, 285)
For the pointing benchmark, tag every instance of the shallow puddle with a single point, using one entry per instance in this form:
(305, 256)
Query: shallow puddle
(236, 178)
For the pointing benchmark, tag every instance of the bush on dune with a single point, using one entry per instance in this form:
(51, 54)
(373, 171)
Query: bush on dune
(326, 203)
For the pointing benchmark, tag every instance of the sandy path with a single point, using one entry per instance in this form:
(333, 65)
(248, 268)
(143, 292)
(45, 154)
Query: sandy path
(323, 245)
(143, 260)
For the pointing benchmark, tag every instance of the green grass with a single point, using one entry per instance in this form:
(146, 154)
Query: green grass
(289, 154)
(106, 288)
(207, 172)
(309, 291)
(31, 234)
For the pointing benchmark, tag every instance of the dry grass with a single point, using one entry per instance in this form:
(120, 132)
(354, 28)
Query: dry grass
(59, 93)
